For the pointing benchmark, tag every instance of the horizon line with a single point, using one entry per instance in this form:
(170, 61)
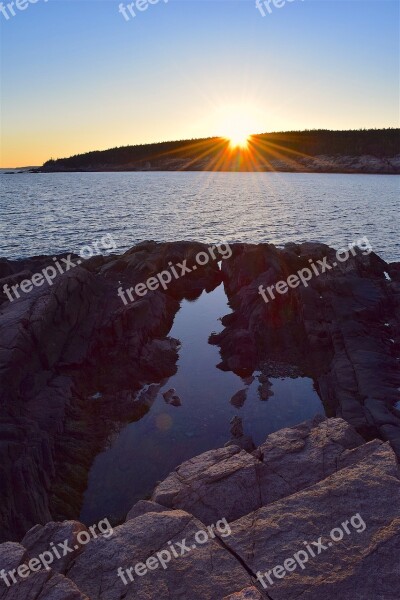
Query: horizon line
(216, 137)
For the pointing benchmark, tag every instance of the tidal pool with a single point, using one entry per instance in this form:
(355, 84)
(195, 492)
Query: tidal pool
(144, 452)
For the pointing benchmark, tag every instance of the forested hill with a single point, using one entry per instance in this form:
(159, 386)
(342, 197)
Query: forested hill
(315, 150)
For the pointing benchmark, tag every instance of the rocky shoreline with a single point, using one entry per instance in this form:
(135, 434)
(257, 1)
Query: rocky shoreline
(303, 482)
(364, 164)
(74, 358)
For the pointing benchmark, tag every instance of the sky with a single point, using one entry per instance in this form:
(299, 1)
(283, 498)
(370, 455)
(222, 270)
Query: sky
(77, 76)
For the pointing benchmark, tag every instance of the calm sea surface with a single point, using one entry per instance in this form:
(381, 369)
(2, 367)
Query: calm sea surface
(53, 213)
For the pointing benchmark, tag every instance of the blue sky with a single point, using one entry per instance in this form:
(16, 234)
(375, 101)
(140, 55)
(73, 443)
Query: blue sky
(77, 76)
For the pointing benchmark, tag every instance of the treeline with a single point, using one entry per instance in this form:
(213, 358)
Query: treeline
(376, 142)
(143, 153)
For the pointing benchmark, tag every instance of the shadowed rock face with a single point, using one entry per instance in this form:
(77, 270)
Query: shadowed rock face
(314, 478)
(72, 359)
(343, 330)
(73, 356)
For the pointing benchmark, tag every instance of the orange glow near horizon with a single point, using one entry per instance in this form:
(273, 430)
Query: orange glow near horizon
(238, 122)
(248, 153)
(236, 151)
(239, 140)
(234, 147)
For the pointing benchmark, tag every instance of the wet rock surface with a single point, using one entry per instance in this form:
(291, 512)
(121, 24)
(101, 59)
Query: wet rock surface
(76, 361)
(333, 479)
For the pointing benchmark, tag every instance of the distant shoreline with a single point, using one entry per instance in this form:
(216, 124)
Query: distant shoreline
(393, 169)
(374, 151)
(349, 165)
(334, 169)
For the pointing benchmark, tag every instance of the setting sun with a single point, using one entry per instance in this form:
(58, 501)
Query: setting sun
(239, 140)
(238, 122)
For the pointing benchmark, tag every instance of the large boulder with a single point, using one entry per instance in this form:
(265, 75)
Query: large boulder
(351, 523)
(205, 571)
(288, 461)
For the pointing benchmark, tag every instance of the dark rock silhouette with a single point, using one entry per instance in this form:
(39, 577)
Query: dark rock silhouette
(239, 398)
(171, 397)
(343, 330)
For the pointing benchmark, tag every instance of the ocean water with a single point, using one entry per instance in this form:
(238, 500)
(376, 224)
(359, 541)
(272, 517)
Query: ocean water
(62, 212)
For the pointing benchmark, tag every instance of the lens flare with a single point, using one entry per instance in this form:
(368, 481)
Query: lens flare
(238, 139)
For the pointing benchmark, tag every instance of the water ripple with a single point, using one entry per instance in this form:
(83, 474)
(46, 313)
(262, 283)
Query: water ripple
(51, 213)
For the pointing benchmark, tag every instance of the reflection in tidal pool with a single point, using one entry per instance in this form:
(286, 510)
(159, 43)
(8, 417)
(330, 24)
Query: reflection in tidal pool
(145, 452)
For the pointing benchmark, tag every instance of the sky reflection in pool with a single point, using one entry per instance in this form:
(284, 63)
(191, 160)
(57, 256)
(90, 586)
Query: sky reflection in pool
(144, 452)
